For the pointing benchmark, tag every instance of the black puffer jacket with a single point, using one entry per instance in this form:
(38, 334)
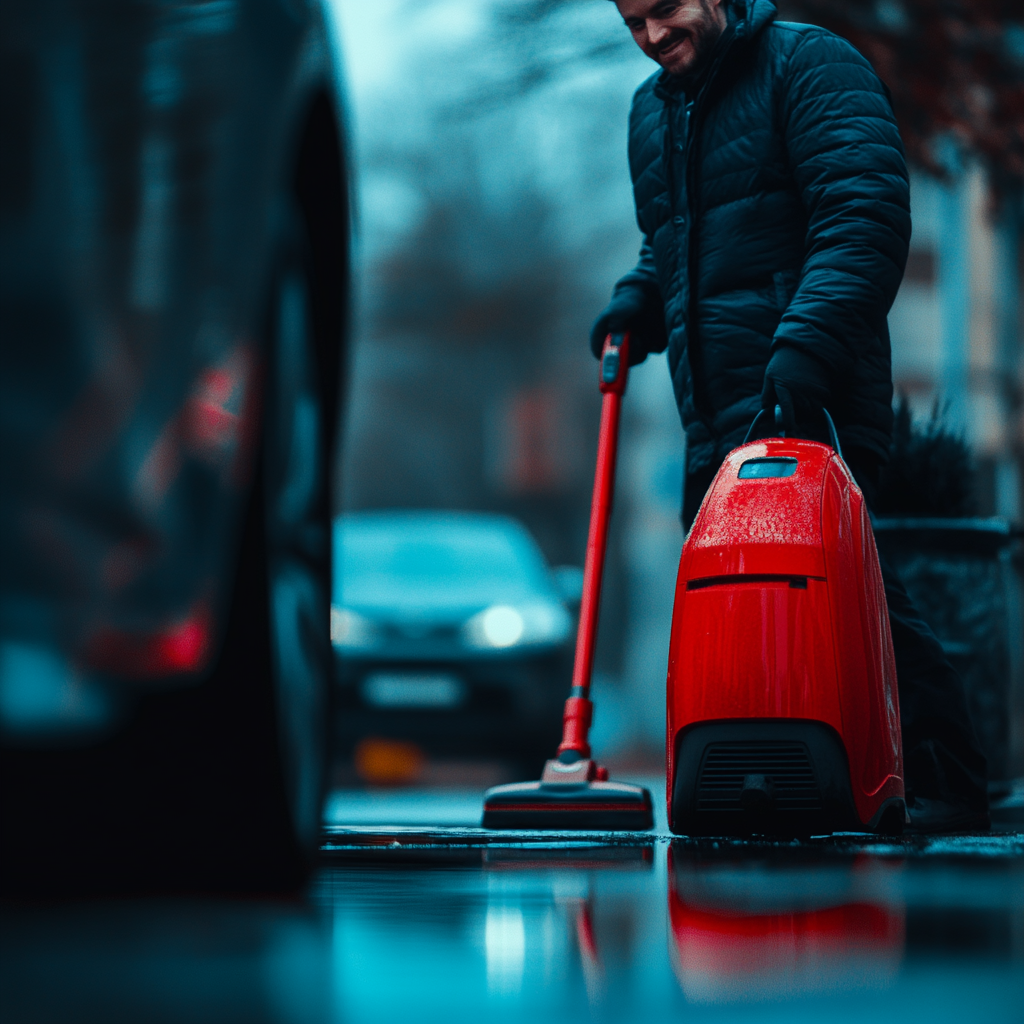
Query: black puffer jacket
(774, 204)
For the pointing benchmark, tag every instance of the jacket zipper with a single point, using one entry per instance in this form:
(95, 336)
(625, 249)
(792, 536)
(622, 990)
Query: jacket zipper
(693, 351)
(690, 155)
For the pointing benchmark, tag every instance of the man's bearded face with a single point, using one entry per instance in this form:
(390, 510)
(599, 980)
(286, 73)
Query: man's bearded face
(678, 34)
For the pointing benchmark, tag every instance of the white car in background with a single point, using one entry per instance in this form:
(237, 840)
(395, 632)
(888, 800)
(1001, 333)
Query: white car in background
(451, 632)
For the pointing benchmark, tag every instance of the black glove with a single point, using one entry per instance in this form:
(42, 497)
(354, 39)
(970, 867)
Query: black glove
(800, 385)
(631, 311)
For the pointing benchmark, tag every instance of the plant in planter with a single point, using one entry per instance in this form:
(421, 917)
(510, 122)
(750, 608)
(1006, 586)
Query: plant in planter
(930, 473)
(957, 568)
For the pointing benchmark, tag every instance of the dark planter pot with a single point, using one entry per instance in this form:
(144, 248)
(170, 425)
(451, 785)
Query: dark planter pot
(962, 576)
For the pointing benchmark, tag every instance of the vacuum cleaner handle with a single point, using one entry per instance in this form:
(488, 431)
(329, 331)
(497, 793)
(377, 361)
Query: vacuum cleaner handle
(579, 710)
(833, 436)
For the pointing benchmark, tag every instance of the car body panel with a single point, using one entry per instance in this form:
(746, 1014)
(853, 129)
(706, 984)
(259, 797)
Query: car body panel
(150, 150)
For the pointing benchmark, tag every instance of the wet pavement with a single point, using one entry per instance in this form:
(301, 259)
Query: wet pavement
(418, 915)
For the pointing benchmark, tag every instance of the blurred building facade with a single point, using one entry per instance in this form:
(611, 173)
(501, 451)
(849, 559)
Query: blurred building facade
(957, 328)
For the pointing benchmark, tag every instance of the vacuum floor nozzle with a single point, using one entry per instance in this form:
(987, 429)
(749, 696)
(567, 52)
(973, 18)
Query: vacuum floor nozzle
(579, 804)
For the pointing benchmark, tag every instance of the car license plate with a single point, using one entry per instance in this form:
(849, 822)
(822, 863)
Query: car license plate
(413, 690)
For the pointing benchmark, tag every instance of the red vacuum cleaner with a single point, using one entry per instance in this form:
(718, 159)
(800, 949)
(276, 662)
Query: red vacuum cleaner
(783, 714)
(574, 791)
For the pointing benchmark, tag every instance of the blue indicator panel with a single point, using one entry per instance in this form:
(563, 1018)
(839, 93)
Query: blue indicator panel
(761, 469)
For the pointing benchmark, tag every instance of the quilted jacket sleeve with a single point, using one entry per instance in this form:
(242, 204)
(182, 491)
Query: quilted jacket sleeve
(643, 277)
(847, 159)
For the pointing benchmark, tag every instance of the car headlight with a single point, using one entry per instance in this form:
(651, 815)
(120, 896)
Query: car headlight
(503, 625)
(351, 631)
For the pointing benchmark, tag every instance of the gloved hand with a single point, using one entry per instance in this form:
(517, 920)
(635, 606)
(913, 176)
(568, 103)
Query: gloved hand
(800, 385)
(630, 311)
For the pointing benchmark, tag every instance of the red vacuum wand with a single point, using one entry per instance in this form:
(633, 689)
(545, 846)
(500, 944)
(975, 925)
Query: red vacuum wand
(574, 792)
(579, 709)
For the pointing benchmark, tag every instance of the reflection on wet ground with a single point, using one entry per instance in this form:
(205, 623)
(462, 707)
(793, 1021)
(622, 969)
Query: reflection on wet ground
(563, 931)
(414, 921)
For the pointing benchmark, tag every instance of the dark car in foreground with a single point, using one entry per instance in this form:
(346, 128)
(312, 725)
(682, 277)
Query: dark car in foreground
(173, 259)
(451, 632)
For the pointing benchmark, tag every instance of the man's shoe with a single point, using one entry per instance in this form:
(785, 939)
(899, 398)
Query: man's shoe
(931, 816)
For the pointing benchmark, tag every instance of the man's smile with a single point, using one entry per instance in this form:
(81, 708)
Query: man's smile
(673, 47)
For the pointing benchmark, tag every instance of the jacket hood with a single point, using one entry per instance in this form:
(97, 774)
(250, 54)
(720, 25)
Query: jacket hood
(754, 15)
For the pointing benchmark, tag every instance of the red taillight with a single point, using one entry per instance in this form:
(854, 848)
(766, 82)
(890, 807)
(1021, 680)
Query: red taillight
(181, 647)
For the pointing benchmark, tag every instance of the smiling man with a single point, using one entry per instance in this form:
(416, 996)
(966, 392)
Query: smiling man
(772, 194)
(676, 35)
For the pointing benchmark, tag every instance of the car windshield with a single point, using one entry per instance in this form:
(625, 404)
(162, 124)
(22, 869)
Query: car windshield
(435, 561)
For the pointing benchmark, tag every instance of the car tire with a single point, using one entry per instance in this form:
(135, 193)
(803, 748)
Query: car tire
(216, 786)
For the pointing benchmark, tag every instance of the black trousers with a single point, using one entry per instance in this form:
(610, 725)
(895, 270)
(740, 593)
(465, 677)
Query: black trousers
(942, 758)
